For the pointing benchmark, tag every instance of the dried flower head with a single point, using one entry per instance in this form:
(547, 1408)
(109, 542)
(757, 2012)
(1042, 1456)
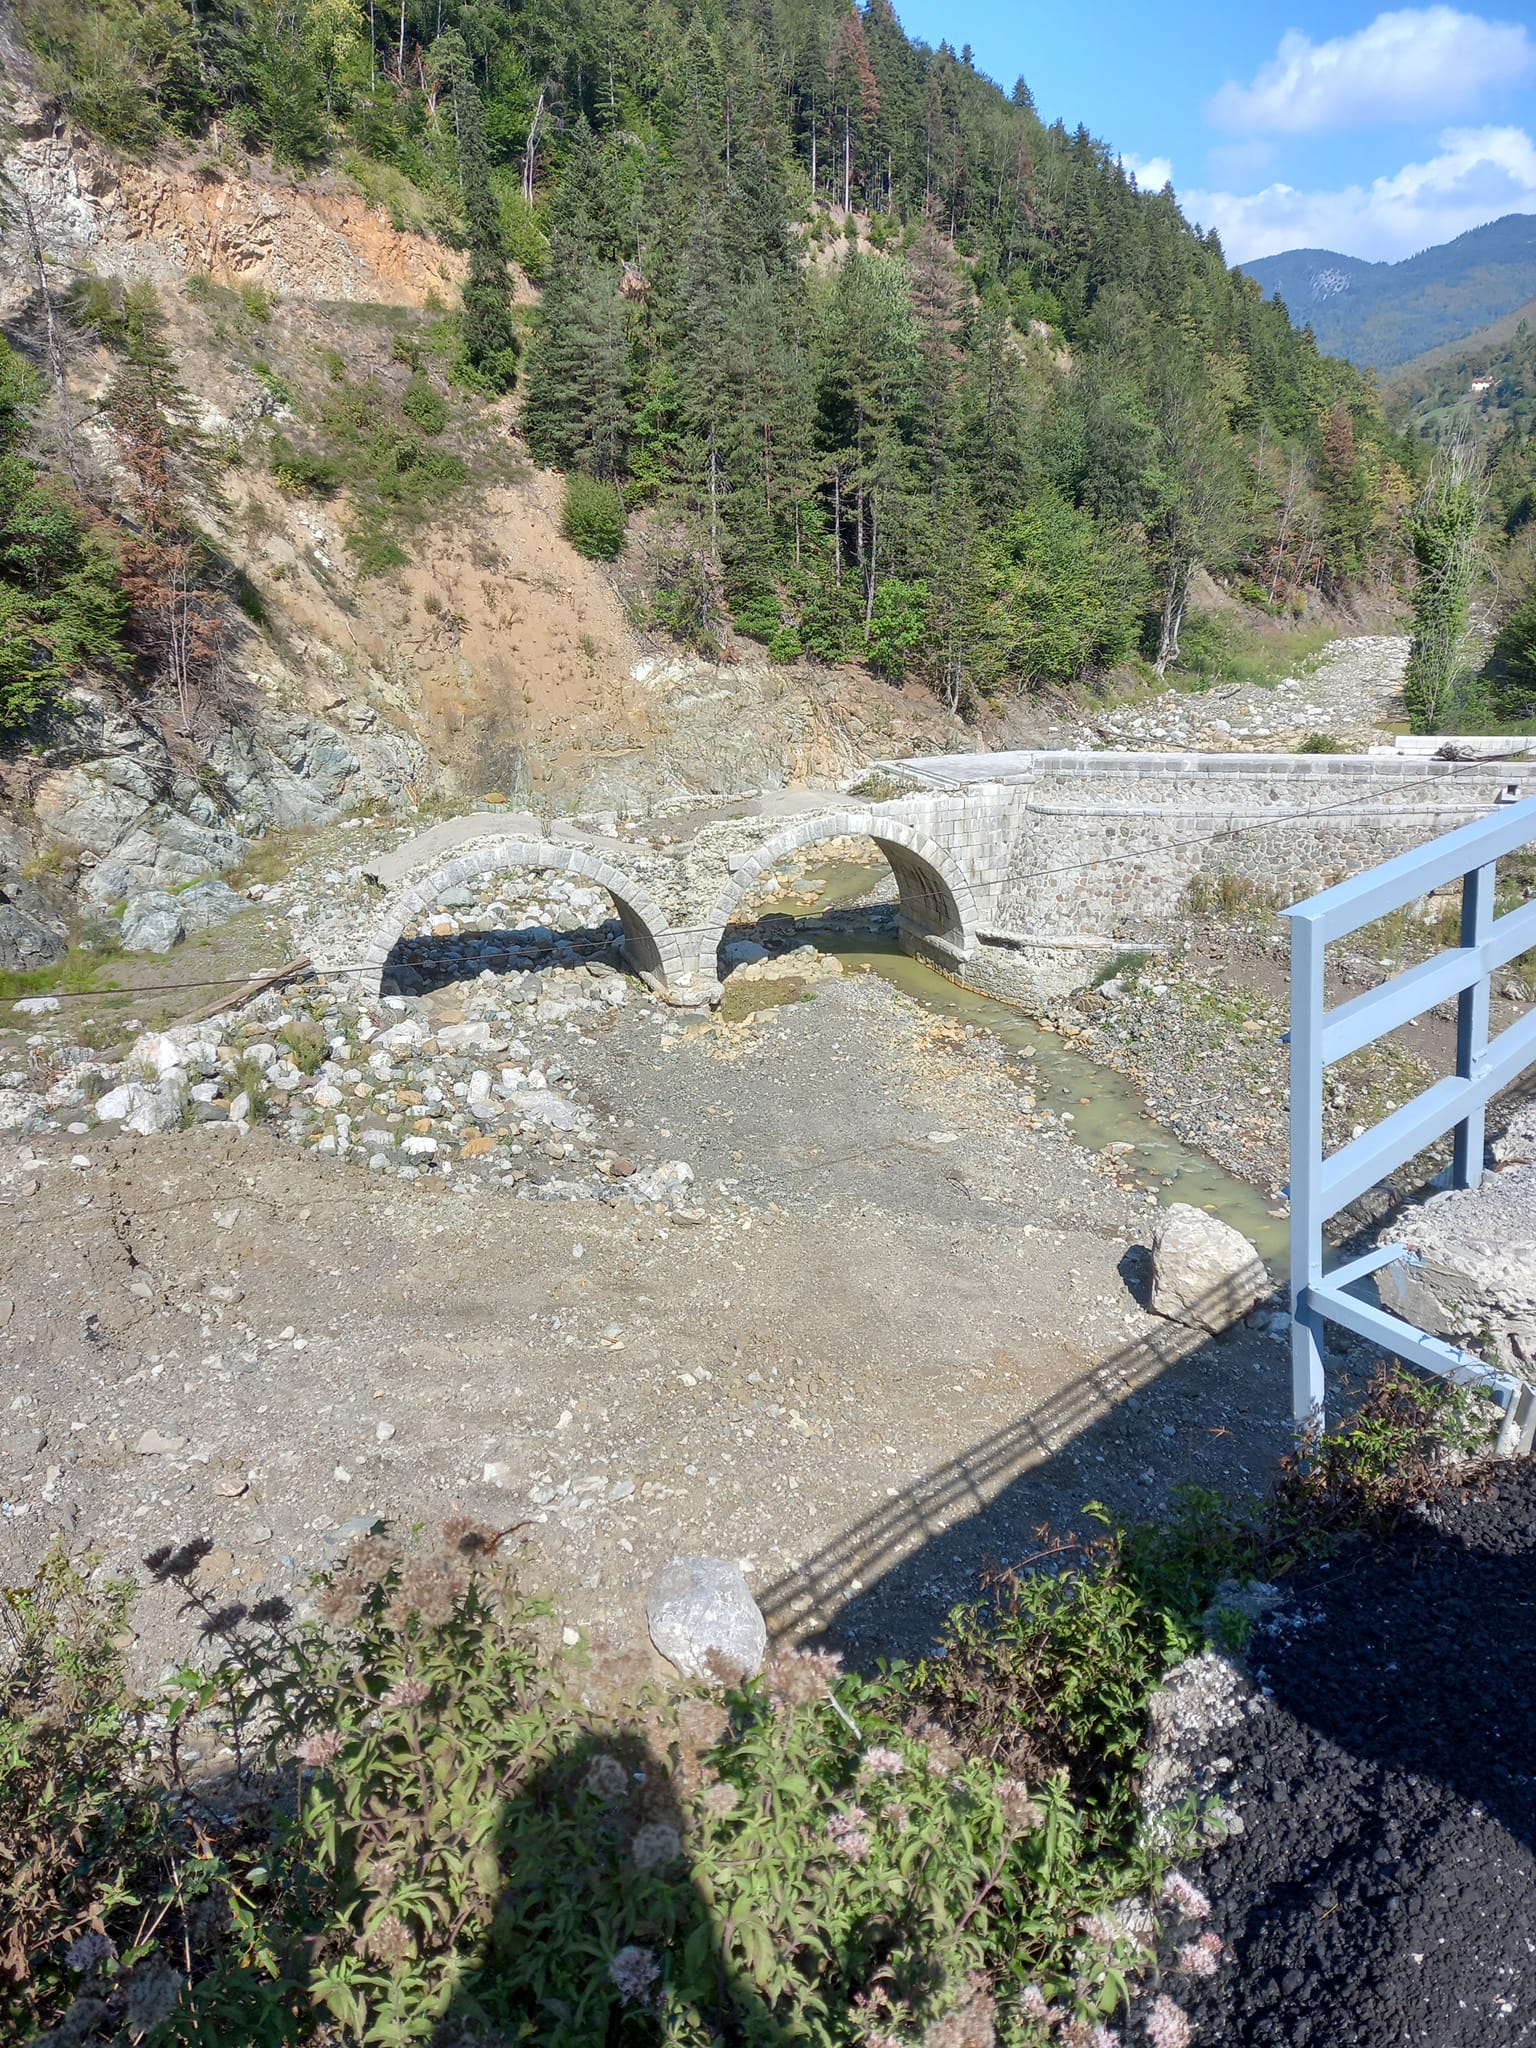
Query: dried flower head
(607, 1778)
(796, 1677)
(1033, 2004)
(430, 1590)
(883, 1763)
(78, 2025)
(90, 1950)
(407, 1692)
(721, 1799)
(154, 1990)
(1185, 1897)
(725, 1671)
(1168, 2024)
(634, 1971)
(341, 1602)
(388, 1941)
(1020, 1813)
(656, 1845)
(319, 1749)
(702, 1723)
(1088, 2034)
(938, 1747)
(971, 2025)
(464, 1539)
(373, 1558)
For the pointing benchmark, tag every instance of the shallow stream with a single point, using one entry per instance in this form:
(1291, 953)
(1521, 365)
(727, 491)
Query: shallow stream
(1101, 1107)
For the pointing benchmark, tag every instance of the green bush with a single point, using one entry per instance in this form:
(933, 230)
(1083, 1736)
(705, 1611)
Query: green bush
(83, 1837)
(305, 1044)
(424, 406)
(898, 627)
(63, 608)
(593, 517)
(304, 472)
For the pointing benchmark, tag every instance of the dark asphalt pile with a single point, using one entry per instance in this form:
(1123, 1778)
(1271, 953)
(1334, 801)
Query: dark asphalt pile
(1383, 1888)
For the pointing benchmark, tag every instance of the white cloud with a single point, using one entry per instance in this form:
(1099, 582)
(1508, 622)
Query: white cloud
(1151, 173)
(1479, 174)
(1416, 63)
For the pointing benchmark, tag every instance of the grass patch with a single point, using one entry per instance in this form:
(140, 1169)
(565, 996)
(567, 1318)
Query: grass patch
(381, 453)
(743, 999)
(1219, 649)
(77, 973)
(1230, 896)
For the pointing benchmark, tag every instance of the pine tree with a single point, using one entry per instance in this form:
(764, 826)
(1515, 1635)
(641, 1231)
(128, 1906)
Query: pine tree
(487, 331)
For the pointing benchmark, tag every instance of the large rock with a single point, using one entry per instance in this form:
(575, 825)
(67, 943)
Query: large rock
(151, 922)
(206, 904)
(705, 1621)
(26, 942)
(1204, 1272)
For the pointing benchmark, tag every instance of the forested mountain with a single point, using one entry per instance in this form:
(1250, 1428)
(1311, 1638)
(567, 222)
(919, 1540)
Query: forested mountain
(1384, 314)
(876, 364)
(1483, 387)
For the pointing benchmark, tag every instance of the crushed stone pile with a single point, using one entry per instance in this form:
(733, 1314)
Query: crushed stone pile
(1379, 1882)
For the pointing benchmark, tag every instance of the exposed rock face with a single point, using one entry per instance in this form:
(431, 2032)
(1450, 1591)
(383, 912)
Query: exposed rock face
(705, 1621)
(151, 923)
(1203, 1271)
(139, 820)
(164, 220)
(31, 931)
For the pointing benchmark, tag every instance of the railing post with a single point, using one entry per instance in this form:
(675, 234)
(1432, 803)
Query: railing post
(1307, 961)
(1477, 889)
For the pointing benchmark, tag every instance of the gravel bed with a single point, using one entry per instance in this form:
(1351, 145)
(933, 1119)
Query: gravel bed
(1350, 694)
(1381, 1886)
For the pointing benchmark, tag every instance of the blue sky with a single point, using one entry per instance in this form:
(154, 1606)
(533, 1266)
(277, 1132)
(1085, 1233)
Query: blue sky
(1373, 132)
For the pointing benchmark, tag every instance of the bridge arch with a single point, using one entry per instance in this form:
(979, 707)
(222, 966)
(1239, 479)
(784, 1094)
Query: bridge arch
(649, 941)
(937, 909)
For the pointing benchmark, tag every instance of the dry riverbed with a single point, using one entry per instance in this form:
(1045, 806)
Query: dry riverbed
(896, 1329)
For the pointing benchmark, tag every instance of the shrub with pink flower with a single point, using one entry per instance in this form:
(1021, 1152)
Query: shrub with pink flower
(884, 1763)
(1200, 1957)
(1168, 2024)
(1184, 1897)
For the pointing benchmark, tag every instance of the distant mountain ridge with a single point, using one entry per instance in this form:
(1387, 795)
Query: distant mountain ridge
(1382, 314)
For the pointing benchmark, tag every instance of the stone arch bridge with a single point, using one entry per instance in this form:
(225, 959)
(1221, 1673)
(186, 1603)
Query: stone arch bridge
(1022, 872)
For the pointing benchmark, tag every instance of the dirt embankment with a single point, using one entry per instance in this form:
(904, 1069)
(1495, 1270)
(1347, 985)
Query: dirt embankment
(506, 653)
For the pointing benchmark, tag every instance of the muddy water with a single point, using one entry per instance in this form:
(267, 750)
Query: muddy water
(1100, 1106)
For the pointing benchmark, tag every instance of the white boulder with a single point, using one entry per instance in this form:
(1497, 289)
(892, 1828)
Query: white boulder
(1204, 1272)
(704, 1620)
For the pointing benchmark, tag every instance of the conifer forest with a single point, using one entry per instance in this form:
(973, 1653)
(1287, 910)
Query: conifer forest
(870, 362)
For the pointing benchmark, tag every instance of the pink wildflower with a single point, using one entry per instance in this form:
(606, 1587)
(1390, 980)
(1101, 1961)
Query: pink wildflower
(1168, 2024)
(317, 1750)
(1198, 1959)
(884, 1763)
(1185, 1897)
(848, 1835)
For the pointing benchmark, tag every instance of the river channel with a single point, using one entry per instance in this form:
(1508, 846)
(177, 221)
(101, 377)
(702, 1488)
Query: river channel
(1099, 1106)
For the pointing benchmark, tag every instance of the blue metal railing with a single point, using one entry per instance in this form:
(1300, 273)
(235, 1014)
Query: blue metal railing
(1323, 1185)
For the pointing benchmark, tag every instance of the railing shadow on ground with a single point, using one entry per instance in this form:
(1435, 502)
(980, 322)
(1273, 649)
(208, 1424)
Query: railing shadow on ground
(1212, 1410)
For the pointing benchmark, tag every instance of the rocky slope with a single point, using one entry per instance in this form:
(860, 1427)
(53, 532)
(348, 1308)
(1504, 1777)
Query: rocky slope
(495, 656)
